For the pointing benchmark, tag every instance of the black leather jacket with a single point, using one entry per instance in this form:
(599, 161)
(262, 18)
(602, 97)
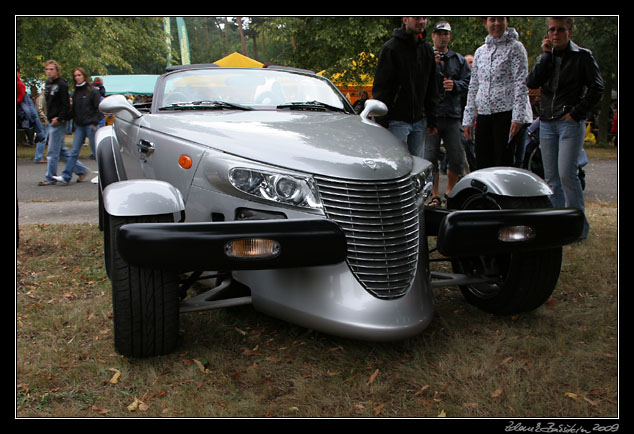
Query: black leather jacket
(570, 82)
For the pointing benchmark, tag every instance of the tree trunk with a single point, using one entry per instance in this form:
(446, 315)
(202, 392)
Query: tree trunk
(242, 40)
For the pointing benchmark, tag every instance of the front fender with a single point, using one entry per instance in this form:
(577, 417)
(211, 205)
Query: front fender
(503, 181)
(141, 197)
(109, 163)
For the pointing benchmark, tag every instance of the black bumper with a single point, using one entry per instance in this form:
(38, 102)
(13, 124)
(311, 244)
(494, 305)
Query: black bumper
(201, 246)
(476, 233)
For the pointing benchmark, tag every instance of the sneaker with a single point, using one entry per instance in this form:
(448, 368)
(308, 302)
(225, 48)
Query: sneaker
(44, 183)
(60, 180)
(40, 161)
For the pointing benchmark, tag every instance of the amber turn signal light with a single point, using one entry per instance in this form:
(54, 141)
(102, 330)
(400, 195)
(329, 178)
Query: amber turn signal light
(185, 161)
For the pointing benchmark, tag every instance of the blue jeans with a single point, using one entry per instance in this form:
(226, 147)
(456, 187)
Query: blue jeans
(411, 134)
(56, 150)
(73, 165)
(561, 143)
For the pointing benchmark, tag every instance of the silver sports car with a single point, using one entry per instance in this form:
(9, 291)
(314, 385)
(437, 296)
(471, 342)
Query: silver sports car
(267, 185)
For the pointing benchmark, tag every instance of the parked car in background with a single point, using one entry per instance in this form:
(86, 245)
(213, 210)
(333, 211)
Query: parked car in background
(266, 182)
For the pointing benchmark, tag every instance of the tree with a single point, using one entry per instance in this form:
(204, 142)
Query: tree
(102, 45)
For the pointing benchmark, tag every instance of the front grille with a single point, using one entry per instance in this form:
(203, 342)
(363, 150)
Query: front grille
(380, 220)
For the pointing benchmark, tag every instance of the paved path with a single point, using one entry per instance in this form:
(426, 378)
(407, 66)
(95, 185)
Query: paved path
(74, 203)
(77, 202)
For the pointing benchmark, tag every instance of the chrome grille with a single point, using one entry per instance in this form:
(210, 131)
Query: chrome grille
(380, 220)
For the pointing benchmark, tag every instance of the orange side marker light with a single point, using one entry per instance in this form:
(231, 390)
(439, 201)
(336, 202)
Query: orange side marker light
(185, 161)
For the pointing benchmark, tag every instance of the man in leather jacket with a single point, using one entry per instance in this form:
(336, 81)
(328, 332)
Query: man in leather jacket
(571, 85)
(405, 82)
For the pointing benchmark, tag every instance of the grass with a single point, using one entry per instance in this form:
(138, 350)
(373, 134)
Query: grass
(560, 361)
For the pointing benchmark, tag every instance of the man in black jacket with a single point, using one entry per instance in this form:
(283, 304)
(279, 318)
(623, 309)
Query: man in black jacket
(571, 85)
(58, 112)
(404, 81)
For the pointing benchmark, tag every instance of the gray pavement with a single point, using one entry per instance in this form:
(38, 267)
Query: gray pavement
(74, 203)
(77, 202)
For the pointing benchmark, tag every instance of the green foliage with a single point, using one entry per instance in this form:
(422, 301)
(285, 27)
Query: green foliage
(343, 45)
(102, 45)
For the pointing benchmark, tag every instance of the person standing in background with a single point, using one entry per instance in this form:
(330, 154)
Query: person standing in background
(58, 113)
(571, 85)
(497, 95)
(452, 75)
(405, 82)
(86, 115)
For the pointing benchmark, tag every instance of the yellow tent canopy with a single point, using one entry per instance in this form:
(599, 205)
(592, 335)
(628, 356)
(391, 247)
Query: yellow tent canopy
(237, 59)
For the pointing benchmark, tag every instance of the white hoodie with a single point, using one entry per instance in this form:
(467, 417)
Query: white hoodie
(498, 80)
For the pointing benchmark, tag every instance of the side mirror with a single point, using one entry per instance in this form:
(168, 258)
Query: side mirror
(116, 103)
(373, 107)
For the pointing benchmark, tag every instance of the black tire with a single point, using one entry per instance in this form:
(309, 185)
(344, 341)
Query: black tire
(145, 301)
(525, 279)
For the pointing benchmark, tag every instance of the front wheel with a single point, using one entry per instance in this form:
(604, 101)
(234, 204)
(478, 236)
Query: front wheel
(145, 301)
(523, 280)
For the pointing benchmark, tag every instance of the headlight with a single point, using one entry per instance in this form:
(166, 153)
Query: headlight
(276, 187)
(424, 182)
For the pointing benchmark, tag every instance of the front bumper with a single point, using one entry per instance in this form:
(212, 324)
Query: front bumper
(203, 246)
(476, 233)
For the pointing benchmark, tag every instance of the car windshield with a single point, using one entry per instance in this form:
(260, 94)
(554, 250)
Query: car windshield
(229, 88)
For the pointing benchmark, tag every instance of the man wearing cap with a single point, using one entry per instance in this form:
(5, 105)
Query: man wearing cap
(452, 75)
(404, 81)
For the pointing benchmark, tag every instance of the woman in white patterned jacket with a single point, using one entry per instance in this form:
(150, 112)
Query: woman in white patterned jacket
(497, 96)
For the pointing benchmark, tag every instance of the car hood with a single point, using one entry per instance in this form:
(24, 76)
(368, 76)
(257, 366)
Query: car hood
(324, 143)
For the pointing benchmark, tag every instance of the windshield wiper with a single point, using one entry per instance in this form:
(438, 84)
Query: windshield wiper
(310, 105)
(205, 105)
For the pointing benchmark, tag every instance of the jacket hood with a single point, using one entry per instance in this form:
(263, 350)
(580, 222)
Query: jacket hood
(329, 144)
(509, 35)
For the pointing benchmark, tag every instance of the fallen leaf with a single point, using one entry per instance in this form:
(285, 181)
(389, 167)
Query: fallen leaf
(591, 402)
(115, 377)
(496, 394)
(442, 414)
(378, 408)
(134, 406)
(100, 410)
(201, 367)
(373, 377)
(571, 395)
(138, 405)
(253, 352)
(422, 389)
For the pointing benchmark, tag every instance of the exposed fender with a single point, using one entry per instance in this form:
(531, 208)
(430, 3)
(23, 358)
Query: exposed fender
(503, 181)
(139, 197)
(108, 158)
